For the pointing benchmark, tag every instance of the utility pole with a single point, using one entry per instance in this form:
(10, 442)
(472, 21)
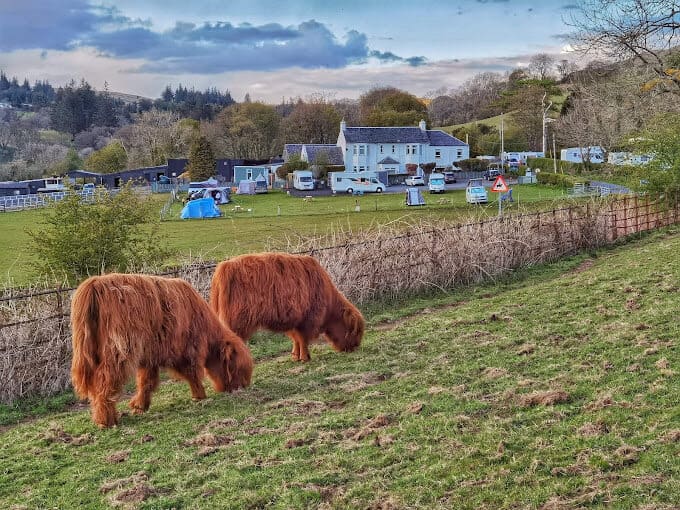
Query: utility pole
(545, 112)
(554, 155)
(502, 137)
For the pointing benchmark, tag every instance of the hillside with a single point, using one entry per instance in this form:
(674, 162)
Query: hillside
(554, 389)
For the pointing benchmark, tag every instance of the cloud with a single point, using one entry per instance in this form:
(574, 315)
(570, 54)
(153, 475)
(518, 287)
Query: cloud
(208, 48)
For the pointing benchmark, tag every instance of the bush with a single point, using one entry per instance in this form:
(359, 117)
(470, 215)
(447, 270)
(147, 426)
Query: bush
(110, 233)
(294, 163)
(473, 165)
(553, 179)
(547, 165)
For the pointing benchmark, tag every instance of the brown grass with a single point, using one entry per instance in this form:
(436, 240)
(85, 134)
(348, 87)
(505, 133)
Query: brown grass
(544, 398)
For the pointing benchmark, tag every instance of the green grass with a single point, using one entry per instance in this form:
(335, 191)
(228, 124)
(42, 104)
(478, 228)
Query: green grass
(429, 413)
(263, 227)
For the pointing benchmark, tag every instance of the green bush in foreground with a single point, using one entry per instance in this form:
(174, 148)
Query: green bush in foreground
(113, 232)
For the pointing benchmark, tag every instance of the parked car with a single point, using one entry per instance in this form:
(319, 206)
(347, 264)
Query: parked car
(449, 177)
(415, 180)
(491, 174)
(475, 192)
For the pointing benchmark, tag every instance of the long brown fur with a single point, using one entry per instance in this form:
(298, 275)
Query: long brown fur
(123, 323)
(285, 293)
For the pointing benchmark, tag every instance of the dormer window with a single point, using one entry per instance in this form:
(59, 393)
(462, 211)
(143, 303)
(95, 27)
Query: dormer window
(362, 149)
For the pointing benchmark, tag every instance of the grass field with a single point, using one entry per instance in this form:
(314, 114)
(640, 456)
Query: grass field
(556, 388)
(263, 227)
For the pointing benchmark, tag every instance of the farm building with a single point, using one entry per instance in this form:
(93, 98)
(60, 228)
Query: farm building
(223, 167)
(145, 175)
(13, 188)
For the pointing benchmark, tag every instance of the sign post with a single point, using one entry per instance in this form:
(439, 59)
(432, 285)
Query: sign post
(499, 186)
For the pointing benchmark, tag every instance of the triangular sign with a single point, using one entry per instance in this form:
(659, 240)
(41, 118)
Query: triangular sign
(499, 185)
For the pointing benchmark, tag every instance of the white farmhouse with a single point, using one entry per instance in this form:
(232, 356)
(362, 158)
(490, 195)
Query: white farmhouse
(390, 149)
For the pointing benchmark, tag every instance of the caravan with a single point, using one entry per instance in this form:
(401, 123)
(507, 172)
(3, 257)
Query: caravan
(594, 154)
(303, 180)
(355, 182)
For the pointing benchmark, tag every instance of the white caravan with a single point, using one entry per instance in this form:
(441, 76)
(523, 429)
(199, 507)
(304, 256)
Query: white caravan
(436, 183)
(303, 179)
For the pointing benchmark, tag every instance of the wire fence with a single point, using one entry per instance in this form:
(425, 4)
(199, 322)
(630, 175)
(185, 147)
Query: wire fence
(35, 342)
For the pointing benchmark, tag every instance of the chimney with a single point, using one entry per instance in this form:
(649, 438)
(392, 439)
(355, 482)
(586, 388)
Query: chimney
(343, 125)
(422, 125)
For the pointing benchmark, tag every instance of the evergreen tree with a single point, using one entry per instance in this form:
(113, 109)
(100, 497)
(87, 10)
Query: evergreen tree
(201, 160)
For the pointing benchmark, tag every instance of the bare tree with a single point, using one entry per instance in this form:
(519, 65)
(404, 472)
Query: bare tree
(541, 65)
(608, 112)
(565, 68)
(624, 29)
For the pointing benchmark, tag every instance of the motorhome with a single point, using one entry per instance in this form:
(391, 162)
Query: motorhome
(351, 182)
(303, 180)
(436, 183)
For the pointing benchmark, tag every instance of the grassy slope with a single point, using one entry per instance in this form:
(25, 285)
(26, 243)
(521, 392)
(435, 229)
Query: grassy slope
(428, 413)
(253, 231)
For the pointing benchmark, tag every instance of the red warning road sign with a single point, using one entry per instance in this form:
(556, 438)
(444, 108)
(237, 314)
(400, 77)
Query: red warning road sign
(499, 185)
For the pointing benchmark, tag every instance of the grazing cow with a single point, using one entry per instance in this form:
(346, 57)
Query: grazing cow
(123, 322)
(285, 293)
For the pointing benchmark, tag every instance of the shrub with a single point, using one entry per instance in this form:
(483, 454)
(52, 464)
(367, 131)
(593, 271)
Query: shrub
(473, 165)
(553, 179)
(428, 167)
(109, 233)
(547, 165)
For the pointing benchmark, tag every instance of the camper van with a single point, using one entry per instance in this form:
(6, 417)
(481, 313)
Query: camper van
(303, 179)
(436, 183)
(351, 182)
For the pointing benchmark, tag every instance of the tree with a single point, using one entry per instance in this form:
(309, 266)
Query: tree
(389, 106)
(315, 121)
(156, 136)
(247, 130)
(662, 140)
(623, 29)
(294, 163)
(108, 160)
(70, 162)
(201, 160)
(111, 233)
(565, 68)
(428, 167)
(541, 64)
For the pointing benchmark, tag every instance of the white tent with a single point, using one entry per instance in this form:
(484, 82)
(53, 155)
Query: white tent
(246, 187)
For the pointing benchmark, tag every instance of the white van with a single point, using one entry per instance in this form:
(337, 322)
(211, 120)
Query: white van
(436, 183)
(303, 179)
(351, 182)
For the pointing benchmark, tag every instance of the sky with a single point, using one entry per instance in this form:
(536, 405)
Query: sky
(276, 49)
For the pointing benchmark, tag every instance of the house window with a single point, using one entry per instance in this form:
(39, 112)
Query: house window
(355, 149)
(393, 149)
(249, 174)
(459, 153)
(362, 149)
(355, 168)
(381, 149)
(408, 149)
(437, 154)
(362, 168)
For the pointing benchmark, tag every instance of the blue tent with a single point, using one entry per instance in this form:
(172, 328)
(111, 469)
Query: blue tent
(200, 208)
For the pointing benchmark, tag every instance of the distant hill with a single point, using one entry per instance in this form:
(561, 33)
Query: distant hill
(127, 98)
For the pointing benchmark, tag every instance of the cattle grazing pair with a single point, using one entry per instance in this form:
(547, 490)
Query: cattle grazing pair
(124, 323)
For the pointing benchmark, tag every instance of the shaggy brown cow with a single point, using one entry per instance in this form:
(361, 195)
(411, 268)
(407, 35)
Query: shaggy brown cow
(285, 293)
(123, 322)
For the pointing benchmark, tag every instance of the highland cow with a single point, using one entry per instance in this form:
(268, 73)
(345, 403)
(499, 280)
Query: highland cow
(285, 293)
(122, 323)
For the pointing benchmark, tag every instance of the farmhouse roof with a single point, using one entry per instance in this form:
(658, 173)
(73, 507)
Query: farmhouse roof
(333, 152)
(385, 135)
(292, 149)
(388, 161)
(440, 138)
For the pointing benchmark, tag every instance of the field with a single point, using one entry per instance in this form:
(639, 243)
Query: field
(556, 388)
(260, 226)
